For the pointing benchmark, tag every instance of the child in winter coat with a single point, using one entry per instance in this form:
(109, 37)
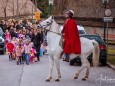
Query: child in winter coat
(27, 48)
(10, 48)
(32, 54)
(7, 36)
(14, 42)
(19, 52)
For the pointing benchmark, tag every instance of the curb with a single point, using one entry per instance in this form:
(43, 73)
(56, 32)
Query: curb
(111, 54)
(111, 66)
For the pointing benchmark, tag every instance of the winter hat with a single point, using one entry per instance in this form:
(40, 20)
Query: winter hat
(70, 13)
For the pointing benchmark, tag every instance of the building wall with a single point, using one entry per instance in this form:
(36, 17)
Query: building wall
(83, 8)
(100, 31)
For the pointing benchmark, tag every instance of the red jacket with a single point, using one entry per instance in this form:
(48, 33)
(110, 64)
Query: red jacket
(72, 40)
(10, 47)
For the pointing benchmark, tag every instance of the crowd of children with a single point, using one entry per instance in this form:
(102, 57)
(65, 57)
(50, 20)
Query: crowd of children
(19, 47)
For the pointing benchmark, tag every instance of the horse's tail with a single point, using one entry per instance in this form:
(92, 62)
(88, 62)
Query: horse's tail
(96, 53)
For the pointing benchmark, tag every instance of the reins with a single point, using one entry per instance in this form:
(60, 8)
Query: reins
(49, 28)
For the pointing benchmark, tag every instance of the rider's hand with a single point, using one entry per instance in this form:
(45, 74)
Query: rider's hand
(63, 34)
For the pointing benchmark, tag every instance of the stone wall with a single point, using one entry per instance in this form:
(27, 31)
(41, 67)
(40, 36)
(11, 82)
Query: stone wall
(100, 31)
(83, 8)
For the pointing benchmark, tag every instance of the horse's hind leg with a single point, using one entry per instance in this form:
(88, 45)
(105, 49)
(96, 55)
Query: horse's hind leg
(57, 62)
(84, 63)
(51, 60)
(79, 71)
(87, 71)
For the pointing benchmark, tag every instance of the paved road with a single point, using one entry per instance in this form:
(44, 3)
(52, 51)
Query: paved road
(35, 74)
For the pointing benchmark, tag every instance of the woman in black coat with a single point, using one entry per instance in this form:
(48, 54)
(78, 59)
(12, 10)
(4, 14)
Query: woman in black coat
(37, 40)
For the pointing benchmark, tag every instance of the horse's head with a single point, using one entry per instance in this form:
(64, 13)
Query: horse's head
(46, 23)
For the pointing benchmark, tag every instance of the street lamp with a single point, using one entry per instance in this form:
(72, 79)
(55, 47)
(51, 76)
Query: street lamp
(105, 2)
(51, 4)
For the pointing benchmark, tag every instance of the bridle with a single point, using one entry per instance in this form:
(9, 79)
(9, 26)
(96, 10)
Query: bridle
(50, 24)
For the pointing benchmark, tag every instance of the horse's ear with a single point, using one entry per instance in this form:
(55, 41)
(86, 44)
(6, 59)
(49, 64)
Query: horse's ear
(52, 17)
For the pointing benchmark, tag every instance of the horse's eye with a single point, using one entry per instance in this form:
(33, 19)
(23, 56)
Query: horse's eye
(47, 22)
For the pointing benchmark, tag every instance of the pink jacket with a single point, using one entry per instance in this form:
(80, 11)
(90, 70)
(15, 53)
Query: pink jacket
(19, 51)
(33, 51)
(7, 36)
(27, 48)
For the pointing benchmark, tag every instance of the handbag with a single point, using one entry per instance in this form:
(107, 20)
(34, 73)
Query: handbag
(13, 55)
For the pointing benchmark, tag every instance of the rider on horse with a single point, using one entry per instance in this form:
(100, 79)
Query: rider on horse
(71, 36)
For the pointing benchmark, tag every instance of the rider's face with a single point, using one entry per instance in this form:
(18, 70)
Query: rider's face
(66, 15)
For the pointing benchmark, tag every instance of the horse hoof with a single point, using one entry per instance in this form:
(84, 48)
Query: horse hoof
(75, 77)
(57, 80)
(84, 79)
(47, 80)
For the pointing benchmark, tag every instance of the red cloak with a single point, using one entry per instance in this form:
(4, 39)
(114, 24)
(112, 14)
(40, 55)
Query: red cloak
(71, 35)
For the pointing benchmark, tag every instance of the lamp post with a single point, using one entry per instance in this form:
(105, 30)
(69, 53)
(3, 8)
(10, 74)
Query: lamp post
(105, 2)
(107, 18)
(51, 4)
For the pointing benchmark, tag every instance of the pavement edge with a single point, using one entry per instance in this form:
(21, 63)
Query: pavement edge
(111, 66)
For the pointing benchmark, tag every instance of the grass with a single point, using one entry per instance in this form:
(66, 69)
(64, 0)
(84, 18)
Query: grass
(111, 57)
(111, 51)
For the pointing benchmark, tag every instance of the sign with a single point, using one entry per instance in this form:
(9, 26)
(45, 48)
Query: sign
(108, 19)
(37, 15)
(108, 12)
(105, 1)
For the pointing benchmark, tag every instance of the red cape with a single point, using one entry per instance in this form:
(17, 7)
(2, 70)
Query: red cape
(72, 40)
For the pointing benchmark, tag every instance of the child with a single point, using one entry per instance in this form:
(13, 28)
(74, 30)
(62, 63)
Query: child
(19, 52)
(21, 41)
(43, 48)
(27, 48)
(14, 43)
(7, 36)
(10, 48)
(32, 54)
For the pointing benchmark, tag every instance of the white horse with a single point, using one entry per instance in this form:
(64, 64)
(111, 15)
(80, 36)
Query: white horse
(55, 50)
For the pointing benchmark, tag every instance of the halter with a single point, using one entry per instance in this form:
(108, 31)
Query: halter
(50, 24)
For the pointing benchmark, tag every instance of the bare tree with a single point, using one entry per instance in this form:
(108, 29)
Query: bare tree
(11, 7)
(4, 7)
(23, 8)
(17, 7)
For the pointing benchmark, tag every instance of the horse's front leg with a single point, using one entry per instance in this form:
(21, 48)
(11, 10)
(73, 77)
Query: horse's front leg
(51, 60)
(57, 62)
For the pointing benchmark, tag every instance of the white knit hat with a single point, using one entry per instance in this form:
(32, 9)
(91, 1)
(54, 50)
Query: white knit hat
(70, 11)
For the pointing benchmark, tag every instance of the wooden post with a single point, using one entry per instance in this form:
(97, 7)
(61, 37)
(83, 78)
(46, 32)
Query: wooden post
(17, 9)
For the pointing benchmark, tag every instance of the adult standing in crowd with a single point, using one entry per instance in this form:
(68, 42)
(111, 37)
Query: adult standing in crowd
(3, 25)
(37, 40)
